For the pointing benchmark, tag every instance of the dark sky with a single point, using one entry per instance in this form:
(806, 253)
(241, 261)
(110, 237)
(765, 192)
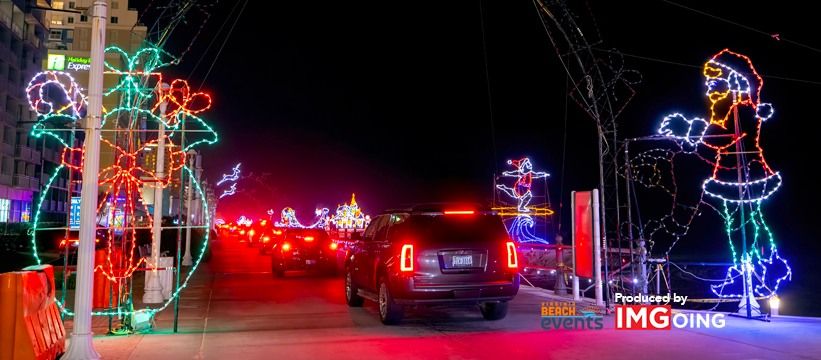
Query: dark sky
(390, 99)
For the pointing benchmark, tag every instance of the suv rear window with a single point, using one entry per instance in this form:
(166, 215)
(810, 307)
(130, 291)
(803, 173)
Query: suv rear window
(473, 228)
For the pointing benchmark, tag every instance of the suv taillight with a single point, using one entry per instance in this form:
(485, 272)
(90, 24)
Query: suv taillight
(512, 260)
(406, 258)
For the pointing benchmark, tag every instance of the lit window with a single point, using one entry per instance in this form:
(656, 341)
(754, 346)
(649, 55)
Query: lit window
(4, 210)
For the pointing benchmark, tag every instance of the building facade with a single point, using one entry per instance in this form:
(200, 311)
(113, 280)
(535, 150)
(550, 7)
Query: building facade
(68, 44)
(22, 50)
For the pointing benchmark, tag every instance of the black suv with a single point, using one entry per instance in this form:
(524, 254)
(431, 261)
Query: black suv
(433, 255)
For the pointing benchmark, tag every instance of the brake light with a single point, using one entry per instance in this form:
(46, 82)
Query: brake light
(512, 259)
(266, 238)
(308, 238)
(334, 246)
(286, 246)
(242, 232)
(277, 232)
(406, 258)
(251, 233)
(459, 212)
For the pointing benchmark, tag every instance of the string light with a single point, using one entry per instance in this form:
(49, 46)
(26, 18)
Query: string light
(230, 177)
(521, 227)
(350, 216)
(55, 96)
(288, 219)
(229, 191)
(732, 84)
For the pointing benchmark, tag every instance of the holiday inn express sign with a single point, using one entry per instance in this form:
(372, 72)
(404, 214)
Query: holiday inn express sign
(68, 63)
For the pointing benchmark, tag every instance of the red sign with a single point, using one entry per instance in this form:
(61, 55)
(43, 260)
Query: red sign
(583, 233)
(643, 317)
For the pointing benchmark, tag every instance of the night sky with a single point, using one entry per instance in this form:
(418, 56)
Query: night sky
(390, 100)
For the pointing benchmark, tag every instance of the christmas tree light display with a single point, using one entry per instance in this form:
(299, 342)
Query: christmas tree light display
(349, 216)
(521, 227)
(741, 178)
(59, 102)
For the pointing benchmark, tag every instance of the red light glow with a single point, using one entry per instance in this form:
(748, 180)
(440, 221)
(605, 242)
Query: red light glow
(406, 258)
(286, 247)
(459, 212)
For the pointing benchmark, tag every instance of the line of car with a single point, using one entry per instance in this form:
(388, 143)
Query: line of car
(425, 255)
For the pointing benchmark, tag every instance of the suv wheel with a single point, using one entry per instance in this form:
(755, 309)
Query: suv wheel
(494, 310)
(351, 297)
(389, 312)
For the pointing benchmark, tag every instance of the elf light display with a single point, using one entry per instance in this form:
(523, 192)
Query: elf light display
(58, 101)
(741, 178)
(522, 226)
(349, 216)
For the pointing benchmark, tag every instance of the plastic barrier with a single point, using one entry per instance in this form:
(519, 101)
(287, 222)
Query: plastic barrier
(30, 324)
(102, 297)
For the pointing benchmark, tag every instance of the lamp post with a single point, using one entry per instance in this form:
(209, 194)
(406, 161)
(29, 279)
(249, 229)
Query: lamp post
(186, 259)
(81, 346)
(153, 289)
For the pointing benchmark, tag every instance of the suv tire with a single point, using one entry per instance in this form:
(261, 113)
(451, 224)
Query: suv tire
(390, 313)
(352, 297)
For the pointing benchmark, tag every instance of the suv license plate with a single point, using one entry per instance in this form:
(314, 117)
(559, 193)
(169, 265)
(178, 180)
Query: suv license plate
(461, 261)
(310, 262)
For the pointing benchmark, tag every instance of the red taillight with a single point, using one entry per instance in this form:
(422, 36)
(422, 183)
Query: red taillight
(406, 258)
(242, 232)
(251, 233)
(266, 238)
(334, 246)
(512, 259)
(286, 246)
(277, 232)
(459, 212)
(308, 238)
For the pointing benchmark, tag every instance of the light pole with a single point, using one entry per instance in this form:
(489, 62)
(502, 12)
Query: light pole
(81, 346)
(153, 290)
(186, 259)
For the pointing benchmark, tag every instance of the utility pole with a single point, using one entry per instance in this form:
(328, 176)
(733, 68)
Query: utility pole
(153, 290)
(81, 346)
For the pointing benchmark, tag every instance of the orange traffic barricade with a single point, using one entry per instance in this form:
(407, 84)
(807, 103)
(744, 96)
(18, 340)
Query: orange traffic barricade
(30, 324)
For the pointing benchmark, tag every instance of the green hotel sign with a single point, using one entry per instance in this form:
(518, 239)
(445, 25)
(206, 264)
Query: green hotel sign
(62, 62)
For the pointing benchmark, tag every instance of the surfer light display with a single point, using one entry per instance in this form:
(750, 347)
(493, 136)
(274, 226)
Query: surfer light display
(521, 227)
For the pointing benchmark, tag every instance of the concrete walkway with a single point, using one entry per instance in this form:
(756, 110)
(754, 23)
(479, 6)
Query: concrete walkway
(235, 309)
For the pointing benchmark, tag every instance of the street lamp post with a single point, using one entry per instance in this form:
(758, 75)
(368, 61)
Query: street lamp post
(186, 259)
(81, 346)
(153, 290)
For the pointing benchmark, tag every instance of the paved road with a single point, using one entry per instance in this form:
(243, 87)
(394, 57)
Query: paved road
(236, 310)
